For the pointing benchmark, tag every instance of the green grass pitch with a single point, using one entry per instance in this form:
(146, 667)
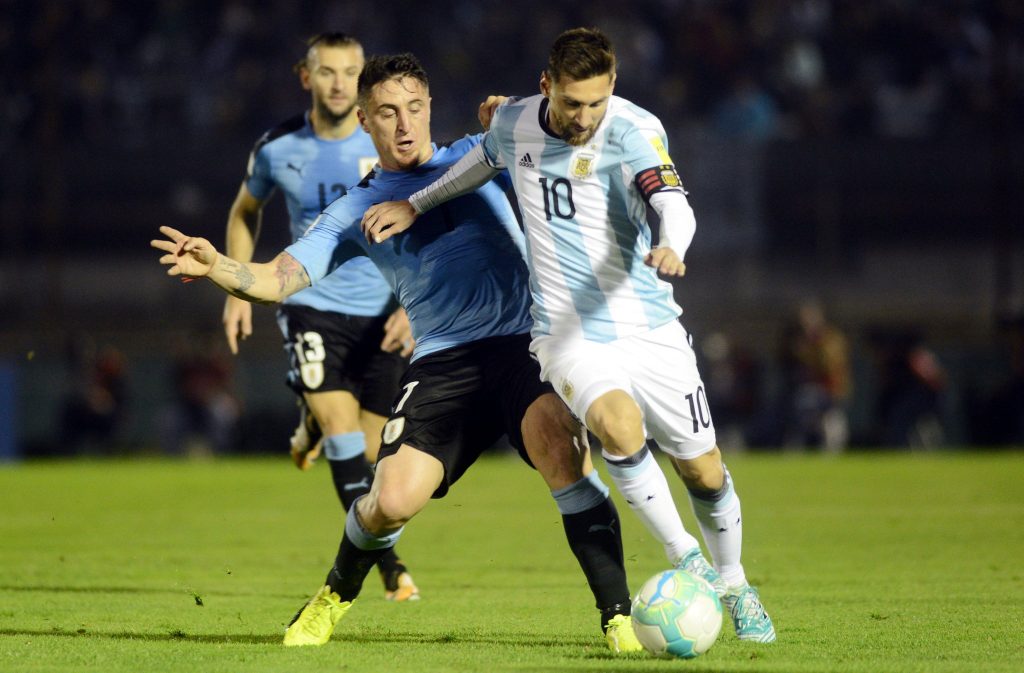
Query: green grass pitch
(870, 562)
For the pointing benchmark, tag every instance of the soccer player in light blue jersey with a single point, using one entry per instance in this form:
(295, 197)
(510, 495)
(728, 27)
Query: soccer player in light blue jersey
(585, 165)
(344, 337)
(464, 282)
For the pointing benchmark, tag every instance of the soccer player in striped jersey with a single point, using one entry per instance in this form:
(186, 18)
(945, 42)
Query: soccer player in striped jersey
(462, 278)
(344, 337)
(585, 165)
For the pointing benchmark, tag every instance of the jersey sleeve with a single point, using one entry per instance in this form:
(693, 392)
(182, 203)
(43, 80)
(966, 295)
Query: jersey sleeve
(258, 179)
(327, 244)
(645, 151)
(490, 142)
(465, 175)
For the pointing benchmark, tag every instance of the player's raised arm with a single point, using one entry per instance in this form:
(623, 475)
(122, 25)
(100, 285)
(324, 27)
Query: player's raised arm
(384, 220)
(197, 258)
(243, 230)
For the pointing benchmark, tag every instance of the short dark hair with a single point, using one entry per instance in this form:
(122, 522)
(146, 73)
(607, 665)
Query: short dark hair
(581, 53)
(329, 39)
(379, 69)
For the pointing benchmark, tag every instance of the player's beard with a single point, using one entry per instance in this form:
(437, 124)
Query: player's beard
(577, 139)
(333, 118)
(580, 139)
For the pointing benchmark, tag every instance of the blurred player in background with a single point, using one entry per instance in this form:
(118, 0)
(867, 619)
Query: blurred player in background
(817, 381)
(346, 338)
(585, 165)
(463, 279)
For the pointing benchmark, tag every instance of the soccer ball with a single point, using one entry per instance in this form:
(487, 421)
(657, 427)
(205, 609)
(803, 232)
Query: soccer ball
(676, 613)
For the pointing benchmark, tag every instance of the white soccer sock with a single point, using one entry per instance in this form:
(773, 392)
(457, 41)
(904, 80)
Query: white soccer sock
(721, 524)
(642, 483)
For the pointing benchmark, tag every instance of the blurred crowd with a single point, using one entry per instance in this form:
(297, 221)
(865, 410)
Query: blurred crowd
(820, 389)
(115, 72)
(825, 390)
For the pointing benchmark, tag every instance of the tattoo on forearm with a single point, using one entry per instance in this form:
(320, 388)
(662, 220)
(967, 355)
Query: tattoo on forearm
(240, 280)
(241, 273)
(290, 274)
(245, 278)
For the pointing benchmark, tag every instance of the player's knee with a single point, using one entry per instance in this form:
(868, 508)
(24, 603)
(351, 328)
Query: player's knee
(617, 421)
(621, 431)
(390, 509)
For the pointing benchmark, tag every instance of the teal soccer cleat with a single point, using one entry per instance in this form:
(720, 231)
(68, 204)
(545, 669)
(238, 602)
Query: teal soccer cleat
(695, 564)
(748, 615)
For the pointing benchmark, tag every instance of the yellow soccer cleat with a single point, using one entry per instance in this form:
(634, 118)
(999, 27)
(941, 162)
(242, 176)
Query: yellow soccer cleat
(315, 622)
(399, 587)
(620, 636)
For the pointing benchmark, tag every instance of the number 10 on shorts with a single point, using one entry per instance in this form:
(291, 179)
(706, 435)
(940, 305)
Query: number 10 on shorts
(700, 412)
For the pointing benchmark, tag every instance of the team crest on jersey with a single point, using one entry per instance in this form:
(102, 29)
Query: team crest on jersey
(583, 166)
(567, 390)
(393, 429)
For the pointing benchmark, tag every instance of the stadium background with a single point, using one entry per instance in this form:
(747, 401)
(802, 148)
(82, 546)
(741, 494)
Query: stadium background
(868, 155)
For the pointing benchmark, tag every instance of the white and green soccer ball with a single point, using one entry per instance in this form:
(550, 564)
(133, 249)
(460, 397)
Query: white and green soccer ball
(678, 614)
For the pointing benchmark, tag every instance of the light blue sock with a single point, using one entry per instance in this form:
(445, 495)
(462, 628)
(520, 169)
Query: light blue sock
(587, 493)
(345, 446)
(363, 538)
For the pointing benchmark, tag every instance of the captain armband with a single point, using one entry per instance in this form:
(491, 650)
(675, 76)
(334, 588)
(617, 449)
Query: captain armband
(658, 179)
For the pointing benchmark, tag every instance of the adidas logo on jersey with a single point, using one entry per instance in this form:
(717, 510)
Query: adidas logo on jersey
(526, 161)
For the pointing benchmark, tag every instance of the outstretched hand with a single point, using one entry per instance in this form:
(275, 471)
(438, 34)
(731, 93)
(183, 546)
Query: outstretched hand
(666, 261)
(187, 256)
(384, 220)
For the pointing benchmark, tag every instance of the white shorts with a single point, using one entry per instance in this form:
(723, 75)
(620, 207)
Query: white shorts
(657, 369)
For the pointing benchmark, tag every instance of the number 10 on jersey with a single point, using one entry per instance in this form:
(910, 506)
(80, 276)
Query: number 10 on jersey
(558, 199)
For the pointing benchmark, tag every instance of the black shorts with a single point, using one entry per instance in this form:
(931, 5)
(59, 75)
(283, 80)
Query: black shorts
(455, 404)
(335, 351)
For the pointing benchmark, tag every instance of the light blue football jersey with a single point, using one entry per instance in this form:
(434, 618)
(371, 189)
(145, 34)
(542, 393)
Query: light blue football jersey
(312, 172)
(586, 220)
(459, 271)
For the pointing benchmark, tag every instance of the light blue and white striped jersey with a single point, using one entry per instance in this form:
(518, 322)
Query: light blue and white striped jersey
(312, 172)
(460, 272)
(586, 221)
